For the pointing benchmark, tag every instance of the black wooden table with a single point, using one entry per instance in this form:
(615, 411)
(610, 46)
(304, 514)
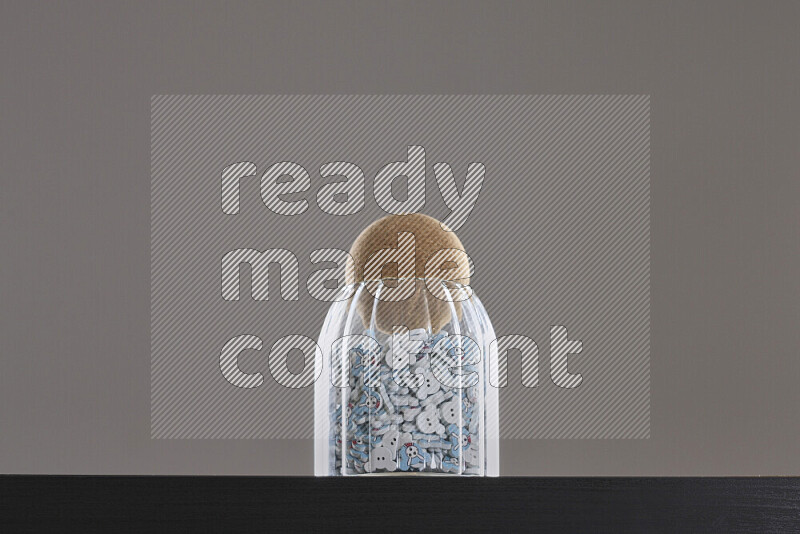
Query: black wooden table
(234, 504)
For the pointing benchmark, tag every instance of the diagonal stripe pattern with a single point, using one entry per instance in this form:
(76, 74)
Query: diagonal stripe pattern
(559, 235)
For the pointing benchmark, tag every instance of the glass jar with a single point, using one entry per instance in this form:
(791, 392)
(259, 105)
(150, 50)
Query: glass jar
(404, 387)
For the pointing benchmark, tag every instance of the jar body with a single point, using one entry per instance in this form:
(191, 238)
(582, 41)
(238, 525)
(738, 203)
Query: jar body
(404, 386)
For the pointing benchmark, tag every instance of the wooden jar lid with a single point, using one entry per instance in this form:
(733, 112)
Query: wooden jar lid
(390, 237)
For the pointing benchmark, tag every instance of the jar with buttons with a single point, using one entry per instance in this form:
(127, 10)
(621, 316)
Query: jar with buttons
(404, 387)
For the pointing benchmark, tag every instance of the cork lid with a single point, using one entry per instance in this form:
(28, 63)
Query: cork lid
(410, 266)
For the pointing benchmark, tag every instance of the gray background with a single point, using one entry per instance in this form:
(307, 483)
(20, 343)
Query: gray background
(76, 86)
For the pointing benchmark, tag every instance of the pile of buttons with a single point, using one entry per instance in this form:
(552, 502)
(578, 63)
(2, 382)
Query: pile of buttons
(396, 416)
